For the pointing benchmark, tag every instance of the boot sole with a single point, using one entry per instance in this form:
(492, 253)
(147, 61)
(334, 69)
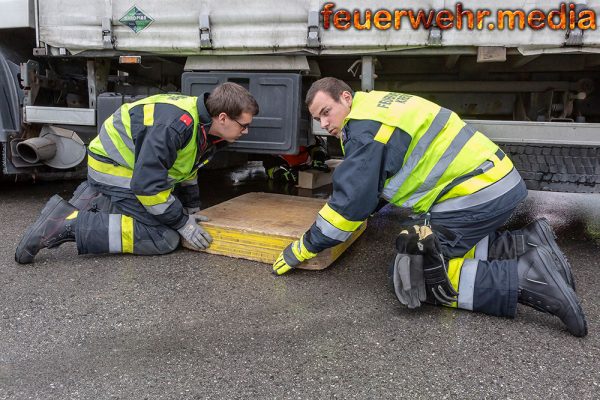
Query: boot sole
(567, 292)
(548, 233)
(22, 256)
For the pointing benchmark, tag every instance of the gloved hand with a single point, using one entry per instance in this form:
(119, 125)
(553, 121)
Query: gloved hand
(434, 268)
(190, 210)
(292, 256)
(407, 272)
(194, 233)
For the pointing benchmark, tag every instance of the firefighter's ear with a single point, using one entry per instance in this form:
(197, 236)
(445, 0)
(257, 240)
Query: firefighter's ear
(222, 117)
(346, 98)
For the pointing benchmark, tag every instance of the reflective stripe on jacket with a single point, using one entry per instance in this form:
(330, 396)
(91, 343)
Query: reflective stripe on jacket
(442, 148)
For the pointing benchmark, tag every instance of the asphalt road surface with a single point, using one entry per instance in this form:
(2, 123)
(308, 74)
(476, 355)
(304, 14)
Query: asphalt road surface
(194, 326)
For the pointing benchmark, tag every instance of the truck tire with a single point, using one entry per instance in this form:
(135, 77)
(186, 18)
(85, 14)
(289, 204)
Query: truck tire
(557, 168)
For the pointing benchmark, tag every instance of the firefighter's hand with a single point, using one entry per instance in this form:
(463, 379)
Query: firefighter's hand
(196, 236)
(280, 266)
(292, 256)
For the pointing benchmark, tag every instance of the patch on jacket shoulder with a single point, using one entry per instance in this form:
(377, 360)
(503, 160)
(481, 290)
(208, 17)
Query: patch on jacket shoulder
(186, 119)
(182, 124)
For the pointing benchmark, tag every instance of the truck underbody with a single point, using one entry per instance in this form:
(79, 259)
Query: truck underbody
(541, 105)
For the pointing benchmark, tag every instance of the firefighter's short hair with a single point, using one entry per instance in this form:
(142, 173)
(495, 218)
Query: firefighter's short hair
(232, 99)
(332, 86)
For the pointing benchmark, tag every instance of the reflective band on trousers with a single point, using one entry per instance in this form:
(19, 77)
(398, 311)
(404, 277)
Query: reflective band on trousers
(331, 231)
(442, 165)
(120, 233)
(481, 249)
(126, 234)
(114, 233)
(466, 286)
(483, 196)
(397, 180)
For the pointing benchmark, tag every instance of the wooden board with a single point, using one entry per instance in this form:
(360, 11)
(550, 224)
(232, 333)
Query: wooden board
(312, 179)
(258, 226)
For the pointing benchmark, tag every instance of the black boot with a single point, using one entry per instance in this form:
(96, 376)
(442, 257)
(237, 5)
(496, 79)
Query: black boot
(50, 230)
(513, 244)
(542, 287)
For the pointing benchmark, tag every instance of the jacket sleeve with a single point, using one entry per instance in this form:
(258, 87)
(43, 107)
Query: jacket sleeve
(357, 184)
(188, 191)
(150, 181)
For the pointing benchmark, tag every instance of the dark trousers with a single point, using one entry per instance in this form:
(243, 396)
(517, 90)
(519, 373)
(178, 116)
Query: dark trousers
(484, 285)
(118, 224)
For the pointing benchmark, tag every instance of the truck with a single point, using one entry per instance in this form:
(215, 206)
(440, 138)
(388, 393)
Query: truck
(524, 72)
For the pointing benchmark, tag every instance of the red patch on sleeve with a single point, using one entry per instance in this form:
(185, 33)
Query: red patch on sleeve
(186, 119)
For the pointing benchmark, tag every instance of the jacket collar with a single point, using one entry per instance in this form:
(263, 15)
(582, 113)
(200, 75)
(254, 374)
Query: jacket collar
(205, 118)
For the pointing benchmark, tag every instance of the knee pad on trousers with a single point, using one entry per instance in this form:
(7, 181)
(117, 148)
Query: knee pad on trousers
(155, 240)
(87, 198)
(171, 240)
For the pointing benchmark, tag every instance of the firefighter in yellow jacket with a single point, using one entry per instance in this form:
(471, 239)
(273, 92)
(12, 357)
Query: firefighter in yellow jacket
(414, 153)
(142, 188)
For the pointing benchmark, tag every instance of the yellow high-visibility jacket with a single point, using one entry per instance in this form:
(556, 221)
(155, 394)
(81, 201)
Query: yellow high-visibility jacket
(410, 152)
(147, 147)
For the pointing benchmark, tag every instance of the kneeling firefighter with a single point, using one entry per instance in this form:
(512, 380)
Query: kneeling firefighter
(544, 278)
(142, 187)
(462, 188)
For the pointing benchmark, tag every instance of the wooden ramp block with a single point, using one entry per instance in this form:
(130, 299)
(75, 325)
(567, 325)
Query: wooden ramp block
(312, 179)
(258, 226)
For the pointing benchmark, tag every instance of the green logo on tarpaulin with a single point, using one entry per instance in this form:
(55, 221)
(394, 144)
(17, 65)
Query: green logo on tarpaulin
(136, 19)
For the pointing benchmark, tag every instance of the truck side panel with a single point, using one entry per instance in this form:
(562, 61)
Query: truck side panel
(273, 26)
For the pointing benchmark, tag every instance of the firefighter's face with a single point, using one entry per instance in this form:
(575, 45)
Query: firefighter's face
(329, 112)
(231, 129)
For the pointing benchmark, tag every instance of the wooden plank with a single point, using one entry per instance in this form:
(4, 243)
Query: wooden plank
(258, 226)
(312, 179)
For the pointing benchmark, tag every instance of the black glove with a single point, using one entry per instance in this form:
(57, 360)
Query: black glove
(409, 284)
(434, 268)
(406, 242)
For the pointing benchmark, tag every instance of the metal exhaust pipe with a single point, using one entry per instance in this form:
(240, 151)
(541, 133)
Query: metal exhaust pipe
(36, 149)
